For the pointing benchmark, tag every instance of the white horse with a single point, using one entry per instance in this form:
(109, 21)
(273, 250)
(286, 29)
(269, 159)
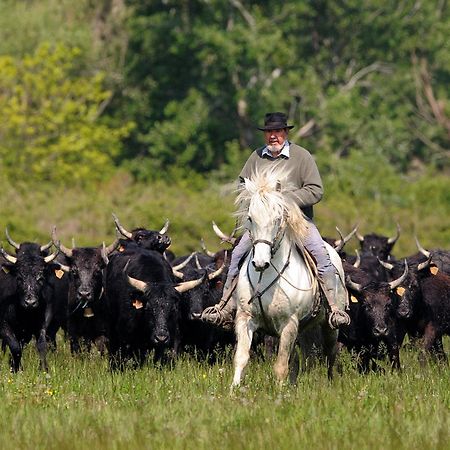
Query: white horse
(277, 291)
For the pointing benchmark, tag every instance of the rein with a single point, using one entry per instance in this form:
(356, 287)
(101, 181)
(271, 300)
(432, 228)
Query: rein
(258, 294)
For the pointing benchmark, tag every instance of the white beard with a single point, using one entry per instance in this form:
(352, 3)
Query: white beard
(274, 148)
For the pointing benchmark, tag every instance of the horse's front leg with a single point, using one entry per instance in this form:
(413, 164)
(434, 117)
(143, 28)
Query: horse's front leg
(244, 328)
(287, 340)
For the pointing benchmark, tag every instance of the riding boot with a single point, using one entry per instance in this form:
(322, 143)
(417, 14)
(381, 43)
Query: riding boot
(222, 314)
(336, 316)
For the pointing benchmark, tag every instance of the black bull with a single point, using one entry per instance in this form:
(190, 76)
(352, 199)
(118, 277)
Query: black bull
(142, 298)
(26, 300)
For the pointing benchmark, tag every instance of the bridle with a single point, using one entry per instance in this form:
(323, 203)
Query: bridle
(275, 244)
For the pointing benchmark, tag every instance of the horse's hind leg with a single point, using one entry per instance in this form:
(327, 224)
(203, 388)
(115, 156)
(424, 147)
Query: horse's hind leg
(287, 341)
(329, 347)
(244, 335)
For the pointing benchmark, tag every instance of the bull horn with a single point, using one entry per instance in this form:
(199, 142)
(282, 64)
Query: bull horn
(177, 273)
(352, 285)
(360, 237)
(50, 258)
(339, 244)
(11, 242)
(421, 249)
(393, 240)
(112, 247)
(138, 284)
(66, 251)
(234, 231)
(45, 247)
(222, 235)
(184, 263)
(395, 283)
(357, 263)
(165, 227)
(205, 250)
(120, 228)
(425, 264)
(104, 254)
(188, 285)
(215, 274)
(197, 263)
(385, 264)
(7, 256)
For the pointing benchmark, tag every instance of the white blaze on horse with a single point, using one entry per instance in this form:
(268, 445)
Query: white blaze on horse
(277, 291)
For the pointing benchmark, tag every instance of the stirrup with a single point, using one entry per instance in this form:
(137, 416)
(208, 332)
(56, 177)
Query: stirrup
(218, 316)
(338, 318)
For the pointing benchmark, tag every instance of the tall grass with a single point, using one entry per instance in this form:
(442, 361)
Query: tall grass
(81, 405)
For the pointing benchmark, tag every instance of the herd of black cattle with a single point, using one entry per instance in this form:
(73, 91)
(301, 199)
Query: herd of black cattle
(133, 298)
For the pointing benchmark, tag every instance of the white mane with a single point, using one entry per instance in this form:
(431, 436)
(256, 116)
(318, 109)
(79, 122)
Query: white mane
(268, 194)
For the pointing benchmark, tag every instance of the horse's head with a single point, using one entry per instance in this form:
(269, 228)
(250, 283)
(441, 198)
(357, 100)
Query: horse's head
(266, 233)
(268, 212)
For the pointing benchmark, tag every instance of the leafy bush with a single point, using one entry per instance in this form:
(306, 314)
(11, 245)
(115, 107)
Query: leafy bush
(52, 129)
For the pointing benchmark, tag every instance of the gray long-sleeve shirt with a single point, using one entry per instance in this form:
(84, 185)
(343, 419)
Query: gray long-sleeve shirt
(302, 170)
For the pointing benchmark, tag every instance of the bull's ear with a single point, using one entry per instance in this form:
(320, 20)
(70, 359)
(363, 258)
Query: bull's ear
(57, 266)
(139, 303)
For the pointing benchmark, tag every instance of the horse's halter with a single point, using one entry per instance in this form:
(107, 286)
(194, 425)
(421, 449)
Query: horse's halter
(275, 243)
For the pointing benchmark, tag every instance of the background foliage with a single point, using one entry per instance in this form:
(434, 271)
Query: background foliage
(150, 108)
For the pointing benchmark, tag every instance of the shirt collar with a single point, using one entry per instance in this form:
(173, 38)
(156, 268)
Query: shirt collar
(284, 151)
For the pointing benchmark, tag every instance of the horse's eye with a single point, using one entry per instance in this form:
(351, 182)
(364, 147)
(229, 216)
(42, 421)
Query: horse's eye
(249, 219)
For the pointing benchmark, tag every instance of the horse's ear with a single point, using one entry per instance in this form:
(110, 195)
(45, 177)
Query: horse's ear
(278, 187)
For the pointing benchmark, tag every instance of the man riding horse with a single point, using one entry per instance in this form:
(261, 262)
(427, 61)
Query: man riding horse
(303, 172)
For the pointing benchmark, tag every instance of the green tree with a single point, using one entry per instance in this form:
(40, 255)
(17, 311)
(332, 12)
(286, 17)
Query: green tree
(352, 77)
(52, 127)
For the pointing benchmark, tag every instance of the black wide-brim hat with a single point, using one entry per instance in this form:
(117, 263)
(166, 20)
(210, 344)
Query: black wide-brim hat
(275, 121)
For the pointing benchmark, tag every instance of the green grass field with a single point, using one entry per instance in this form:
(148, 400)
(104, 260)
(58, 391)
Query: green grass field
(81, 405)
